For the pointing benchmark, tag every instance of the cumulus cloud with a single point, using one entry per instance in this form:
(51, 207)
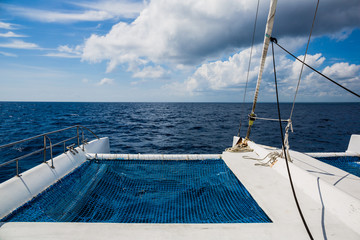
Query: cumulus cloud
(220, 75)
(186, 33)
(344, 71)
(231, 74)
(179, 35)
(105, 81)
(177, 32)
(288, 72)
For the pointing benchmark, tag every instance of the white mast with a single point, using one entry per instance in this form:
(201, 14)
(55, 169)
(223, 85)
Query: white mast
(268, 31)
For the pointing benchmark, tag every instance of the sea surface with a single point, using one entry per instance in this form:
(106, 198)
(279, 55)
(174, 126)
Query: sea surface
(172, 128)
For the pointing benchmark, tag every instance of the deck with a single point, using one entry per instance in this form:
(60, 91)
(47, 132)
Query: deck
(317, 195)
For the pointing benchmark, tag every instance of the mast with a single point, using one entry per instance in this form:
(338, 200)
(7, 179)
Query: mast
(268, 31)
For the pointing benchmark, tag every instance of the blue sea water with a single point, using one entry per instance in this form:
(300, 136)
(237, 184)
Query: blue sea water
(173, 127)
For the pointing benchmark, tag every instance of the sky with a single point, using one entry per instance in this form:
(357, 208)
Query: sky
(174, 51)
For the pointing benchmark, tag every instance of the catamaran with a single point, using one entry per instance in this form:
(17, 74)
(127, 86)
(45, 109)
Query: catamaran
(250, 191)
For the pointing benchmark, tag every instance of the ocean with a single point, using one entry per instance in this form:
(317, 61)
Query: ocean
(173, 128)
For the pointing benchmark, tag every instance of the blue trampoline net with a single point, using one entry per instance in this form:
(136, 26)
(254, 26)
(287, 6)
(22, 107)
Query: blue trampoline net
(139, 191)
(348, 164)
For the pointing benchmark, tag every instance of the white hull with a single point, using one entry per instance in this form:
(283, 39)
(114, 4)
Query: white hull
(329, 198)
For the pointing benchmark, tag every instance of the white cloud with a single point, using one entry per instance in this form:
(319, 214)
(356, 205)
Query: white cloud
(175, 32)
(342, 34)
(11, 34)
(150, 72)
(343, 71)
(125, 9)
(5, 25)
(188, 32)
(19, 44)
(93, 11)
(64, 51)
(105, 81)
(180, 35)
(221, 75)
(61, 55)
(231, 73)
(288, 71)
(67, 49)
(62, 17)
(8, 54)
(315, 61)
(293, 43)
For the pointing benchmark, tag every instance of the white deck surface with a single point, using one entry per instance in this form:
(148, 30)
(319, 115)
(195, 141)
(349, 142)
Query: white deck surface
(334, 176)
(269, 187)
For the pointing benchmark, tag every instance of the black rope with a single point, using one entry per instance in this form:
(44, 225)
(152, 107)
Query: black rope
(283, 146)
(247, 76)
(317, 71)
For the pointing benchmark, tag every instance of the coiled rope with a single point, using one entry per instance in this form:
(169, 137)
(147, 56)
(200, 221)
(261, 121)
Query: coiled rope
(273, 156)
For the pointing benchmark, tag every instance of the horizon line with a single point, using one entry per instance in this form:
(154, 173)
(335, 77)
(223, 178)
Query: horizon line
(42, 101)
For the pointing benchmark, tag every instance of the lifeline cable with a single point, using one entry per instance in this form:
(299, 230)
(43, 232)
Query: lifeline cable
(283, 145)
(317, 71)
(247, 76)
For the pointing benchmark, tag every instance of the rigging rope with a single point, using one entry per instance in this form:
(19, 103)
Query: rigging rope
(283, 144)
(302, 66)
(316, 70)
(248, 71)
(289, 125)
(270, 119)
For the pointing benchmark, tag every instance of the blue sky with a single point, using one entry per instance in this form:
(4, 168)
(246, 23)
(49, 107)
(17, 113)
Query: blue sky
(160, 50)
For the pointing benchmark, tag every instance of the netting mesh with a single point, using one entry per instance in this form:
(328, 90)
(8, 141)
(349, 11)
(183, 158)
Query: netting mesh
(138, 191)
(348, 164)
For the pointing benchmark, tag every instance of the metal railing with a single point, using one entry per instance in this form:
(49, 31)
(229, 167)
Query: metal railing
(46, 137)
